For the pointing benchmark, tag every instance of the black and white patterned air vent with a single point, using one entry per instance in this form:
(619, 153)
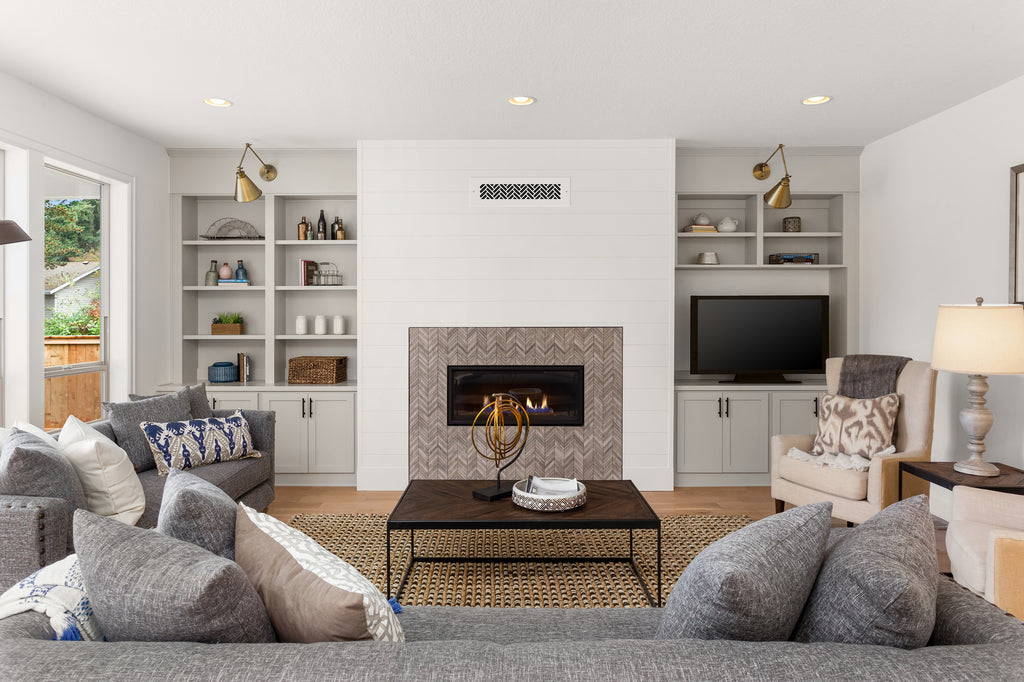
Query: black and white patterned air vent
(520, 191)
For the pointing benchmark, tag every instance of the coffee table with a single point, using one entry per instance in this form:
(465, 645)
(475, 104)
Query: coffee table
(440, 504)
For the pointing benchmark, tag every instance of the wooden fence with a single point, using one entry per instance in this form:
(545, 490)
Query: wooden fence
(78, 394)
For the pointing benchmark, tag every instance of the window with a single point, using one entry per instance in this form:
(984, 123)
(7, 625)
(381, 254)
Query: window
(74, 300)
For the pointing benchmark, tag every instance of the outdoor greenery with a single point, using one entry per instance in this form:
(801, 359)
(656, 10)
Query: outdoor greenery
(82, 320)
(72, 230)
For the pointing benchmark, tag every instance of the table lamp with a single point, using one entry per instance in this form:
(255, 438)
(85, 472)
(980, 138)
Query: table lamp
(978, 340)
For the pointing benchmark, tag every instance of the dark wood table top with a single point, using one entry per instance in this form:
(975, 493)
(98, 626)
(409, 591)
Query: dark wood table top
(450, 504)
(1010, 479)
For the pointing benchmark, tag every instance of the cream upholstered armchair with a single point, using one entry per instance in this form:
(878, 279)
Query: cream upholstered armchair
(985, 543)
(856, 496)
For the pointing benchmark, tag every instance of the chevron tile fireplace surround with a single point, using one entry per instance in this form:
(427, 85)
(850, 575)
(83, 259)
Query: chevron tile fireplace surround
(593, 450)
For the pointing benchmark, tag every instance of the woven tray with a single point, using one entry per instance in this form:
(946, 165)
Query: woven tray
(318, 369)
(548, 503)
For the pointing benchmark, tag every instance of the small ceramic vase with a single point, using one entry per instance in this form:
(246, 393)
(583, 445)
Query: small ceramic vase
(728, 224)
(301, 325)
(226, 272)
(320, 324)
(338, 326)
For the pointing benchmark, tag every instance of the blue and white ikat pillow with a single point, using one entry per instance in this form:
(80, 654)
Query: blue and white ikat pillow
(193, 443)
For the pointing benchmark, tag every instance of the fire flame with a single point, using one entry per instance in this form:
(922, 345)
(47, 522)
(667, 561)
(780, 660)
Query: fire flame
(542, 406)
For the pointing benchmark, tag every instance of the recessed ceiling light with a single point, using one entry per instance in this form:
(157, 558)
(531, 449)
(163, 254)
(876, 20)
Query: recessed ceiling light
(521, 101)
(217, 102)
(817, 99)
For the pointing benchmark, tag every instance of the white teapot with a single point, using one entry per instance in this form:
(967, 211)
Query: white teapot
(701, 219)
(728, 224)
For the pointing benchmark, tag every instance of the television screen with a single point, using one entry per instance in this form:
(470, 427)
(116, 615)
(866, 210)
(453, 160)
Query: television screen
(758, 338)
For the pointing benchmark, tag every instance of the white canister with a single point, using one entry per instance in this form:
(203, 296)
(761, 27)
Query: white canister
(301, 325)
(338, 326)
(320, 324)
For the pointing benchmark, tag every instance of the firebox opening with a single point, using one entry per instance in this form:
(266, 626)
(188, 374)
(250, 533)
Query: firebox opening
(551, 394)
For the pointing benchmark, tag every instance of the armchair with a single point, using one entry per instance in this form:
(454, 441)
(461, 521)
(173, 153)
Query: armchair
(985, 542)
(856, 496)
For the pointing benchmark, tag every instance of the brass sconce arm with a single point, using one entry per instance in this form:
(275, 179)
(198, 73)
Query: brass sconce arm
(762, 170)
(267, 172)
(246, 189)
(778, 196)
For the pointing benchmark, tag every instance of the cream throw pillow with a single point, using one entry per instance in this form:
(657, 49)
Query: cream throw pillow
(112, 488)
(852, 426)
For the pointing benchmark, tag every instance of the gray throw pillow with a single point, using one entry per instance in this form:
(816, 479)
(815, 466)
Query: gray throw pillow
(126, 417)
(752, 584)
(878, 583)
(198, 403)
(145, 586)
(196, 511)
(30, 466)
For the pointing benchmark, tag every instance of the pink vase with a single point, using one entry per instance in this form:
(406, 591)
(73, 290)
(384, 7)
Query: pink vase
(226, 272)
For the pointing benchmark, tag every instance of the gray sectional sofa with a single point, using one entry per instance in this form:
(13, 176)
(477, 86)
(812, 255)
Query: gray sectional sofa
(972, 640)
(35, 531)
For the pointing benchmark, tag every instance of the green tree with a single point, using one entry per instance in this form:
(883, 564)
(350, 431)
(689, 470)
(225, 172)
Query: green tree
(72, 230)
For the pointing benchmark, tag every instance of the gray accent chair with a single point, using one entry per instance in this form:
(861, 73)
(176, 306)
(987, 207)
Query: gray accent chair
(36, 531)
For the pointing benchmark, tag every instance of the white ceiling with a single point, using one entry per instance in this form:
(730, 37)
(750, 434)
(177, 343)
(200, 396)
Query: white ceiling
(323, 73)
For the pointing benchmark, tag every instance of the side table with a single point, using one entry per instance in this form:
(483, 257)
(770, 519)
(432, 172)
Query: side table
(1009, 480)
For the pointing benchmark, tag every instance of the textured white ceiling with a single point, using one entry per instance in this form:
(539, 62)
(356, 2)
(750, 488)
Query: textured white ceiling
(323, 73)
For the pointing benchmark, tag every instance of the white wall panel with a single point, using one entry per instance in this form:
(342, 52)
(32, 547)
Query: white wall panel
(430, 257)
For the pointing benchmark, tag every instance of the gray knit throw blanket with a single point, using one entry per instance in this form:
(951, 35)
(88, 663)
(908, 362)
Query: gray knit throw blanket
(870, 376)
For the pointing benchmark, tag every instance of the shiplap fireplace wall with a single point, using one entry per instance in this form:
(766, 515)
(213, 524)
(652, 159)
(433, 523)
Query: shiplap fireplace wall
(434, 255)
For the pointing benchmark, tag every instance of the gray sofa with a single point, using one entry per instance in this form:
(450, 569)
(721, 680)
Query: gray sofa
(971, 640)
(35, 531)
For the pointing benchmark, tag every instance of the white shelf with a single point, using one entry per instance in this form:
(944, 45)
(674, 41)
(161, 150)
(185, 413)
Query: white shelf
(728, 266)
(716, 235)
(797, 235)
(224, 289)
(295, 287)
(315, 337)
(223, 337)
(224, 242)
(317, 242)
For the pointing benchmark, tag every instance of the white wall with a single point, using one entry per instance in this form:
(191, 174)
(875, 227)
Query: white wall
(430, 258)
(935, 229)
(51, 129)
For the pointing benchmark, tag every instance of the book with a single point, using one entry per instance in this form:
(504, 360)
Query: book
(700, 228)
(232, 281)
(307, 268)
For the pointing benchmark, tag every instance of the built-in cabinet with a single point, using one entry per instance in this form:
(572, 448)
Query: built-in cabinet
(315, 431)
(233, 400)
(795, 412)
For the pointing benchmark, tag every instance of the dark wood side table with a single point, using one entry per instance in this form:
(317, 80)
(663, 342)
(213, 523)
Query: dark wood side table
(427, 504)
(1009, 480)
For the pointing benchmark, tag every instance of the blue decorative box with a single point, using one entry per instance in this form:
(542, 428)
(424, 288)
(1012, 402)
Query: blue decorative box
(222, 372)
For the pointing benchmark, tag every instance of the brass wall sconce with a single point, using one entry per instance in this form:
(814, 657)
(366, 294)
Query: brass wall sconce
(246, 189)
(778, 196)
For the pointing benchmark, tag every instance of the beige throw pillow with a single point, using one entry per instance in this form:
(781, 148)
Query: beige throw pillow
(854, 426)
(111, 486)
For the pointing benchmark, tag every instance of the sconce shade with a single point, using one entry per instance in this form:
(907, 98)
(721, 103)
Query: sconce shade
(778, 196)
(245, 189)
(11, 233)
(975, 339)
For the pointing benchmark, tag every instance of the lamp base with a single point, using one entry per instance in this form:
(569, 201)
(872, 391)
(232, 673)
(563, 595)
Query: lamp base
(494, 492)
(976, 466)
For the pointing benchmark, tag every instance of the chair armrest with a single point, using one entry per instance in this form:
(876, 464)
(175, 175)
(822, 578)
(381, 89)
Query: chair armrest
(34, 532)
(1004, 562)
(988, 506)
(884, 475)
(780, 445)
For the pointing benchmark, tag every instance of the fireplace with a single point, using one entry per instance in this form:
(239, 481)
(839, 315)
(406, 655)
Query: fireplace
(551, 394)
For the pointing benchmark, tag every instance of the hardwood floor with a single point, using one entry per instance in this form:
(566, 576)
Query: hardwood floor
(755, 502)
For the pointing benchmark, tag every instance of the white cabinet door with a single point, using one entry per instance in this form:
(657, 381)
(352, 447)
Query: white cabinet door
(795, 412)
(233, 400)
(746, 419)
(332, 434)
(291, 446)
(699, 432)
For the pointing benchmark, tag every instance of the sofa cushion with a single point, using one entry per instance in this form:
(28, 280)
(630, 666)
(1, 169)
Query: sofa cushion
(197, 442)
(111, 486)
(199, 512)
(31, 467)
(198, 403)
(146, 586)
(878, 583)
(126, 417)
(752, 584)
(856, 426)
(377, 617)
(967, 547)
(848, 483)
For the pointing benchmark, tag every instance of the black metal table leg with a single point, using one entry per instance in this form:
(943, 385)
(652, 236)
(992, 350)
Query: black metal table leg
(387, 590)
(659, 563)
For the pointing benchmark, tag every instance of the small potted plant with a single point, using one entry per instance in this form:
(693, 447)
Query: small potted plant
(228, 323)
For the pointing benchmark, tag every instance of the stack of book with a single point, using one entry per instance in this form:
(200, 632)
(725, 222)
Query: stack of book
(700, 228)
(232, 282)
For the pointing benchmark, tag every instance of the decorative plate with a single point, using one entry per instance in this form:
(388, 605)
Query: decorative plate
(554, 502)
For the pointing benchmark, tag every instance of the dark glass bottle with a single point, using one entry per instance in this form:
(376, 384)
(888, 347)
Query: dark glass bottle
(241, 272)
(335, 226)
(321, 226)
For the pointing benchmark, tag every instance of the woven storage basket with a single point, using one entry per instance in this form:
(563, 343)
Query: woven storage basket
(323, 369)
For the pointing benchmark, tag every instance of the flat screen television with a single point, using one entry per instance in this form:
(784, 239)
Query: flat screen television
(758, 338)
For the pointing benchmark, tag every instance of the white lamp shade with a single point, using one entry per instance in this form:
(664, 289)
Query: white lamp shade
(973, 339)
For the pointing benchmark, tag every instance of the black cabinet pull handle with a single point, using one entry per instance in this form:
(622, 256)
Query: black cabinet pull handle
(815, 407)
(727, 408)
(719, 408)
(310, 408)
(215, 403)
(303, 408)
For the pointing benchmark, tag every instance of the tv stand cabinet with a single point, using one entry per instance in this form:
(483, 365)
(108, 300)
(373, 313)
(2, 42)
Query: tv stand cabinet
(722, 436)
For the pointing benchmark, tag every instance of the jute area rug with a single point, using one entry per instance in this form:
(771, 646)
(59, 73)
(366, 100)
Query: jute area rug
(359, 539)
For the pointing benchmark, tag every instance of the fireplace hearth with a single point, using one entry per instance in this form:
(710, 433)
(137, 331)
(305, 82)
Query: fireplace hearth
(551, 394)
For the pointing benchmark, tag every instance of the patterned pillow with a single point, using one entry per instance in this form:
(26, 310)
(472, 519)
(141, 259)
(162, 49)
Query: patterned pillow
(310, 594)
(193, 443)
(856, 426)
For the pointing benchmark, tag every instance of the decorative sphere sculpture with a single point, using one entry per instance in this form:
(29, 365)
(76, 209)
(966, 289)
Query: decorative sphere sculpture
(503, 414)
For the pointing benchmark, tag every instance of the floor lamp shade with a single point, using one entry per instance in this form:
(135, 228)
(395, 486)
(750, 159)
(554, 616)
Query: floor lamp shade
(11, 233)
